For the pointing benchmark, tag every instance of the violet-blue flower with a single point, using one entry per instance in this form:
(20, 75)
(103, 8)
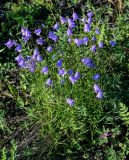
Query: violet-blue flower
(93, 48)
(49, 49)
(45, 70)
(100, 44)
(63, 20)
(72, 79)
(35, 54)
(112, 43)
(39, 58)
(90, 14)
(96, 76)
(86, 28)
(56, 26)
(40, 41)
(70, 101)
(26, 34)
(69, 32)
(88, 62)
(19, 58)
(78, 42)
(97, 31)
(75, 16)
(99, 95)
(97, 88)
(49, 82)
(77, 75)
(18, 48)
(52, 36)
(38, 31)
(59, 63)
(85, 40)
(61, 72)
(70, 72)
(71, 23)
(10, 43)
(89, 21)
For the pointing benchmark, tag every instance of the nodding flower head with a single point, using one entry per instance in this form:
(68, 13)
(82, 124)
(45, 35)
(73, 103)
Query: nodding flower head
(87, 27)
(89, 21)
(59, 63)
(70, 72)
(45, 70)
(52, 36)
(96, 76)
(10, 43)
(38, 31)
(49, 49)
(56, 26)
(40, 41)
(70, 101)
(18, 48)
(26, 34)
(88, 62)
(93, 48)
(69, 32)
(63, 20)
(75, 16)
(100, 44)
(71, 23)
(49, 82)
(112, 43)
(90, 14)
(97, 31)
(62, 72)
(85, 40)
(78, 42)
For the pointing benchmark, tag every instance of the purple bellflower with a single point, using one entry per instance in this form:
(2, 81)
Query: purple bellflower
(90, 14)
(78, 42)
(35, 54)
(96, 76)
(100, 44)
(71, 23)
(93, 48)
(88, 62)
(97, 31)
(59, 63)
(26, 34)
(56, 26)
(70, 72)
(85, 40)
(10, 43)
(45, 70)
(63, 20)
(49, 82)
(18, 48)
(38, 31)
(61, 72)
(86, 28)
(69, 31)
(112, 43)
(70, 101)
(40, 41)
(75, 16)
(89, 21)
(52, 36)
(49, 49)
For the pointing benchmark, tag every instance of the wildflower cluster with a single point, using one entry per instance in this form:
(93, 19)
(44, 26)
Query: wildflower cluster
(31, 62)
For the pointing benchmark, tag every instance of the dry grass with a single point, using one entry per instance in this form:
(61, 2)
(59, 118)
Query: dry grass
(118, 4)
